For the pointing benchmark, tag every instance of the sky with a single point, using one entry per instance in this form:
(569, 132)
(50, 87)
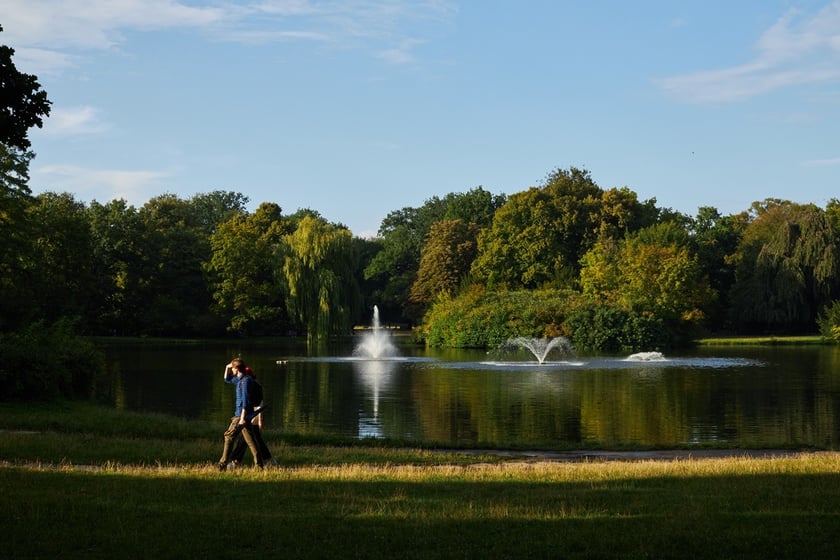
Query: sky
(358, 108)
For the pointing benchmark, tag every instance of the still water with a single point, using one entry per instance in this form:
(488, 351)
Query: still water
(734, 395)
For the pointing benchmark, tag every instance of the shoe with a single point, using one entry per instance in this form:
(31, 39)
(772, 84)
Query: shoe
(232, 466)
(222, 467)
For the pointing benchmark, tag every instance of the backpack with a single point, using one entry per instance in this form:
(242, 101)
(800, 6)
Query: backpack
(255, 392)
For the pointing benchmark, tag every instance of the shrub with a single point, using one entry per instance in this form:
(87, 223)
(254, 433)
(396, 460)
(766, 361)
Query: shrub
(487, 319)
(829, 321)
(43, 362)
(599, 328)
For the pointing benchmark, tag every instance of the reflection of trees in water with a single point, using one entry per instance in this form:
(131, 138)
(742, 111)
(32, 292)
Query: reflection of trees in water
(789, 397)
(466, 406)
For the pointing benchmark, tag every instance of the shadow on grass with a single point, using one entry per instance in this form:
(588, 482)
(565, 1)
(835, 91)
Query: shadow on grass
(75, 514)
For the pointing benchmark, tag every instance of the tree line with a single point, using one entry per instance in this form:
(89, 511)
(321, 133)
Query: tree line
(566, 257)
(206, 266)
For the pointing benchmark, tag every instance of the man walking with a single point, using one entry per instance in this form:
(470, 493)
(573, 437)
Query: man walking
(240, 422)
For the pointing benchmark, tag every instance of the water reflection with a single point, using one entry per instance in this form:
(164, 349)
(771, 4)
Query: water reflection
(375, 378)
(758, 396)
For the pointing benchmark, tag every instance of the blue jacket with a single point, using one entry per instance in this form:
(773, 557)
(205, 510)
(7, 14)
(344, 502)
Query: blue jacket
(242, 400)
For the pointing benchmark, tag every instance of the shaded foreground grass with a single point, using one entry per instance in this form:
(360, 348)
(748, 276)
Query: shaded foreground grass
(333, 502)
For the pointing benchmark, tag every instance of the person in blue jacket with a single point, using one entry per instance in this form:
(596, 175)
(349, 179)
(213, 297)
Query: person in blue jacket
(238, 452)
(240, 422)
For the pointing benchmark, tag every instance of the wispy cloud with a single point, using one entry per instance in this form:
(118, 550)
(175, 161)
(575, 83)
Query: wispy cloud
(51, 35)
(98, 184)
(794, 51)
(71, 121)
(828, 162)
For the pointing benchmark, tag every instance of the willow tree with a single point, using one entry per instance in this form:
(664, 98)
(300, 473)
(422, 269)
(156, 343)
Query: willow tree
(786, 267)
(319, 268)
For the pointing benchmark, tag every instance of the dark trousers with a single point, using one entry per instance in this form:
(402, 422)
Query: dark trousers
(239, 449)
(247, 432)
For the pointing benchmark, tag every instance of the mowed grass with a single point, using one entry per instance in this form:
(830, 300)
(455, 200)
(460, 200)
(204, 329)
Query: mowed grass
(331, 501)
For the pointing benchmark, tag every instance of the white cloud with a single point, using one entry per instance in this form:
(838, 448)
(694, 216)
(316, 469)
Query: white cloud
(50, 29)
(43, 61)
(829, 162)
(69, 121)
(100, 184)
(401, 54)
(87, 24)
(790, 53)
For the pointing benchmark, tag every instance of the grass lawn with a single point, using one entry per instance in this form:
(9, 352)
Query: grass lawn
(80, 482)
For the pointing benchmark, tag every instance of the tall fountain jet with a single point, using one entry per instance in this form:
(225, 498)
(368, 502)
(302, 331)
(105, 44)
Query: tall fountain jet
(376, 344)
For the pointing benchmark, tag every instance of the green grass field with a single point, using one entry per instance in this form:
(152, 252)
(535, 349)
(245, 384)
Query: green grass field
(81, 482)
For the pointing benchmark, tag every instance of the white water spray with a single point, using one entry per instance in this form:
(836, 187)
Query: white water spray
(376, 343)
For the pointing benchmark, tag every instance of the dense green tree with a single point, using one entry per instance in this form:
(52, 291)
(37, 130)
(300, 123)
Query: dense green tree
(23, 104)
(211, 209)
(120, 266)
(175, 246)
(370, 288)
(650, 273)
(715, 239)
(447, 256)
(320, 271)
(62, 278)
(539, 235)
(402, 235)
(476, 206)
(786, 267)
(245, 270)
(16, 232)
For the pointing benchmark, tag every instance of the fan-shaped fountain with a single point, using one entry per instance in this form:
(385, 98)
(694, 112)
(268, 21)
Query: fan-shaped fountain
(540, 347)
(376, 343)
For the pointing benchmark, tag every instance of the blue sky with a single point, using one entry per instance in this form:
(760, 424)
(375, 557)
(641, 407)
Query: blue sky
(357, 108)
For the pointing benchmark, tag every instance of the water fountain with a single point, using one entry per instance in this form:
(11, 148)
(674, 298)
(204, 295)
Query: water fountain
(376, 343)
(540, 347)
(646, 357)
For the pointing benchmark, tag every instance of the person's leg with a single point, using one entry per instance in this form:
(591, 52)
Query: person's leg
(248, 434)
(265, 454)
(230, 435)
(238, 452)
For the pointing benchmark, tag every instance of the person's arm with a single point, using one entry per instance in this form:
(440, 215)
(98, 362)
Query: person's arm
(229, 374)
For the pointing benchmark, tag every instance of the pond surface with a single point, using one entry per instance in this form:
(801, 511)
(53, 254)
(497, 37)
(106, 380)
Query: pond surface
(744, 396)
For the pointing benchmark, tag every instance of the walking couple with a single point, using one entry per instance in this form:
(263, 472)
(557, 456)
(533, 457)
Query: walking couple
(246, 423)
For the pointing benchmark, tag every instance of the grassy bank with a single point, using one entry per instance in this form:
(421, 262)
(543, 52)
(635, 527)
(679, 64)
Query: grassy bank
(139, 486)
(762, 340)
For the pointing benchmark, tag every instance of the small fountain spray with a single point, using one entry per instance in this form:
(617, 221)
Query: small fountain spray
(376, 344)
(540, 347)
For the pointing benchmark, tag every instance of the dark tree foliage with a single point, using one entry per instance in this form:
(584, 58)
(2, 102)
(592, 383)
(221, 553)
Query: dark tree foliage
(23, 104)
(403, 234)
(786, 268)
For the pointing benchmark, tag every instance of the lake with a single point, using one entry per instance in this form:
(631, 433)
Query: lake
(741, 396)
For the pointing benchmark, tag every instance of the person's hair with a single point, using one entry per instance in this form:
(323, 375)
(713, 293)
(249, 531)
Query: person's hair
(238, 362)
